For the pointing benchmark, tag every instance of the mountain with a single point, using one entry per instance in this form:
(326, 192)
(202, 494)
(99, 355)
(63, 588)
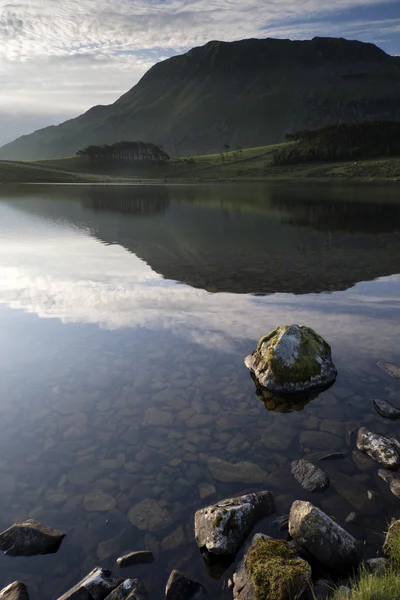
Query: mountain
(244, 93)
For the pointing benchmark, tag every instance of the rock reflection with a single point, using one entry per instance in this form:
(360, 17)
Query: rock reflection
(284, 404)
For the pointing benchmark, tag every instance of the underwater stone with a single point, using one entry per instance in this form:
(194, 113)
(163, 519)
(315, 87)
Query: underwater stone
(291, 360)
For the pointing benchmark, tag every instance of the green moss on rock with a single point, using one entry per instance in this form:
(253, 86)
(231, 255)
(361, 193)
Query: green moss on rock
(305, 367)
(217, 520)
(276, 571)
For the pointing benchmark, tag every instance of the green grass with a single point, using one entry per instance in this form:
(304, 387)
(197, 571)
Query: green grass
(379, 587)
(253, 164)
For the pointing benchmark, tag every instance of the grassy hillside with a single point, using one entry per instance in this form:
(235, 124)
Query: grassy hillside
(254, 164)
(241, 93)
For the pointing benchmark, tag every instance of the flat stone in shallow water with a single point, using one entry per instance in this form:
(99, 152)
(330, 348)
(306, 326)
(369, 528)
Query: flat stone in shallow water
(99, 501)
(270, 570)
(14, 591)
(222, 527)
(390, 368)
(292, 359)
(149, 515)
(332, 545)
(386, 409)
(29, 538)
(309, 476)
(381, 449)
(241, 472)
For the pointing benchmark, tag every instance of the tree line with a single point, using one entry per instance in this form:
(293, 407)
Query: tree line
(344, 141)
(123, 153)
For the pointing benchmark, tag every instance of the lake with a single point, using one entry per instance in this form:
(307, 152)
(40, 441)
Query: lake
(125, 317)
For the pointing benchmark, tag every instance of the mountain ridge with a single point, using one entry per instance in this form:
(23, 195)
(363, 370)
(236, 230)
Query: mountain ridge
(250, 92)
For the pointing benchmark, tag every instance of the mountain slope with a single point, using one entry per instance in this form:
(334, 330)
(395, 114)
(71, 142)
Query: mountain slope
(244, 93)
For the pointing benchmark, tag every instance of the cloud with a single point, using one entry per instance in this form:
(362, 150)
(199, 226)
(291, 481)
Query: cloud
(58, 57)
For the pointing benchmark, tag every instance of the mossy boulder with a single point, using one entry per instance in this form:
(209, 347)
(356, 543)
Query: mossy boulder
(292, 359)
(271, 570)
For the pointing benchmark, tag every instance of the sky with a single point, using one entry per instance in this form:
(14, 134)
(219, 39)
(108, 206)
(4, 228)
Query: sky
(59, 58)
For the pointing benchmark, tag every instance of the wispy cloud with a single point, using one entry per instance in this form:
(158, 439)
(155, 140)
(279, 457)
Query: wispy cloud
(58, 57)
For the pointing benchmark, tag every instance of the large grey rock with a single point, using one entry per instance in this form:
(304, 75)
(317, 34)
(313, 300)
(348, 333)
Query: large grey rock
(321, 536)
(29, 538)
(292, 359)
(392, 479)
(309, 476)
(96, 586)
(285, 575)
(14, 591)
(181, 587)
(221, 528)
(381, 449)
(390, 368)
(386, 409)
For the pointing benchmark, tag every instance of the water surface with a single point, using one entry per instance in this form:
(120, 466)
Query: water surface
(125, 316)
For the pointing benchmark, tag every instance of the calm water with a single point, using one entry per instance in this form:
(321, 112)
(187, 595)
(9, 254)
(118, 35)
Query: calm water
(125, 316)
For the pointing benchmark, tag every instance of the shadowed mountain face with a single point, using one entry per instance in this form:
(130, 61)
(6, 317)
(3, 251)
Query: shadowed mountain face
(245, 93)
(247, 239)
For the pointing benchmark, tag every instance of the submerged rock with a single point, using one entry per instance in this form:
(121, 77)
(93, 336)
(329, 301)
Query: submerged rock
(381, 449)
(149, 515)
(241, 472)
(14, 591)
(97, 585)
(292, 359)
(29, 538)
(386, 409)
(390, 368)
(329, 543)
(392, 479)
(135, 558)
(222, 528)
(270, 570)
(309, 476)
(181, 587)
